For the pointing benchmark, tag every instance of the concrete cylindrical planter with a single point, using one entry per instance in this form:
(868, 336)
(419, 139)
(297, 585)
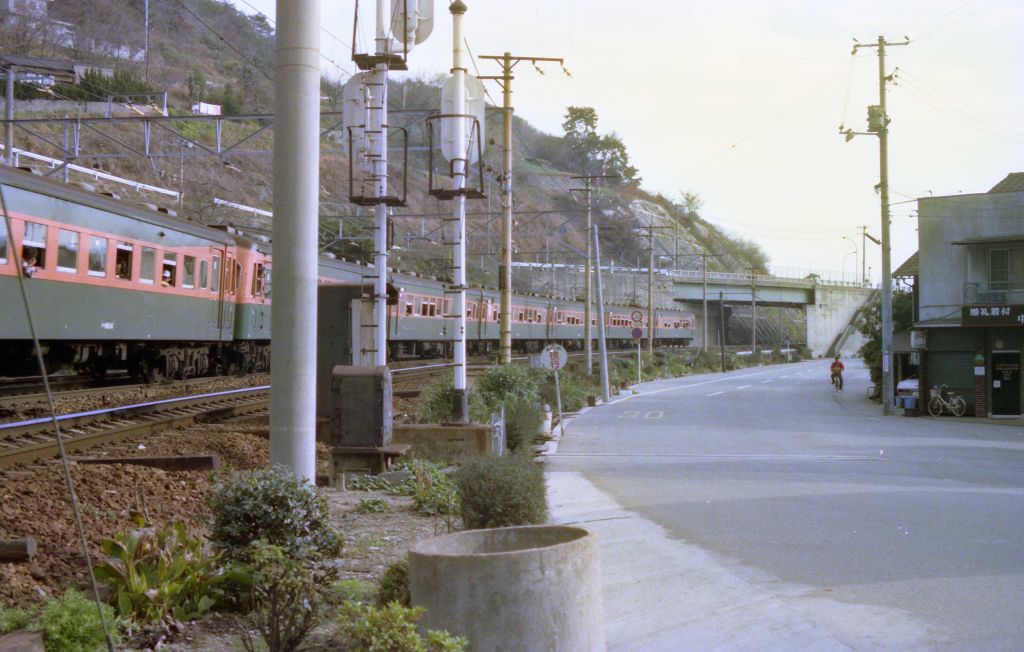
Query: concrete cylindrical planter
(518, 588)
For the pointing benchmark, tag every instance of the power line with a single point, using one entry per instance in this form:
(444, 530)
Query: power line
(231, 47)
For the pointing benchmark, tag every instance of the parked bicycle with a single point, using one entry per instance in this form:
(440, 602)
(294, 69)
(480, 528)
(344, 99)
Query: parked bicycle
(942, 400)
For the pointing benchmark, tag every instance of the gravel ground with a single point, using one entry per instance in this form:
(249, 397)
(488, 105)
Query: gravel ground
(34, 501)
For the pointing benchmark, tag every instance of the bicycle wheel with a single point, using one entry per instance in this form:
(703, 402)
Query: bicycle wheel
(935, 406)
(959, 406)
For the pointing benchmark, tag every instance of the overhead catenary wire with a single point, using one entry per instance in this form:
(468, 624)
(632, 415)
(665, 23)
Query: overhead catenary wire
(223, 40)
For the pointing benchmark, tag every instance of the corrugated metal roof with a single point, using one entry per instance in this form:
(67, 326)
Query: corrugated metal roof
(1014, 182)
(908, 268)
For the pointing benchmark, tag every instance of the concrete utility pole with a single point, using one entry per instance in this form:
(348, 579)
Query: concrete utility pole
(507, 63)
(704, 294)
(588, 331)
(296, 206)
(878, 124)
(721, 326)
(602, 343)
(650, 283)
(753, 306)
(9, 116)
(377, 133)
(145, 36)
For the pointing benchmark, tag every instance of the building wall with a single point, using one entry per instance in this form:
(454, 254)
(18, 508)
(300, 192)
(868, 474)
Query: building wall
(831, 312)
(946, 267)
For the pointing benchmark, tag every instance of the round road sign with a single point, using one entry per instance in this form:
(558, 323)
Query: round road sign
(553, 357)
(637, 333)
(637, 316)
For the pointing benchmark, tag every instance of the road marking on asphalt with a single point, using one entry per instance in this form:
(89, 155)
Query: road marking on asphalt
(716, 393)
(655, 414)
(743, 386)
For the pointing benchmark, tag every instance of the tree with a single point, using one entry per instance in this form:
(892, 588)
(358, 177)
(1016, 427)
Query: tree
(870, 326)
(593, 153)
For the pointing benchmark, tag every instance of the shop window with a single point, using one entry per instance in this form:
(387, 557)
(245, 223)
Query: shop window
(123, 261)
(188, 276)
(67, 251)
(147, 266)
(97, 256)
(33, 245)
(999, 269)
(169, 271)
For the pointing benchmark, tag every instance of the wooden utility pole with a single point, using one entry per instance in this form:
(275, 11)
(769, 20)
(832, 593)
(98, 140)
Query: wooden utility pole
(878, 124)
(507, 63)
(588, 330)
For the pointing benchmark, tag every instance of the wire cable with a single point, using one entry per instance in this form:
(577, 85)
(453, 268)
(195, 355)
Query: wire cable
(231, 47)
(16, 255)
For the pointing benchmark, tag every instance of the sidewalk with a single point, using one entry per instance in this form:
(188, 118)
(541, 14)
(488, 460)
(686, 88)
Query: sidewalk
(662, 594)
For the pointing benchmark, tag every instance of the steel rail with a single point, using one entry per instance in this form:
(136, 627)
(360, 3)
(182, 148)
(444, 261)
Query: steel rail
(32, 440)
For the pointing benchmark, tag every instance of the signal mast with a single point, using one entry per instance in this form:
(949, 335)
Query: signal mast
(365, 116)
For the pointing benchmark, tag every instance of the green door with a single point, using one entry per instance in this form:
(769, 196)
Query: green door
(1005, 383)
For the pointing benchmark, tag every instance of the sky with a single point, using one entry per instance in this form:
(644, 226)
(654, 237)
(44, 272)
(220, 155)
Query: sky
(740, 101)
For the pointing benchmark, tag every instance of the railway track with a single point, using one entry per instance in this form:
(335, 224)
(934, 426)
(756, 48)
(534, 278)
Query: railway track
(28, 441)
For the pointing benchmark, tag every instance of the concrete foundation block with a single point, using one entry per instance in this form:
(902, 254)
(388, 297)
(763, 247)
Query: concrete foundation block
(512, 589)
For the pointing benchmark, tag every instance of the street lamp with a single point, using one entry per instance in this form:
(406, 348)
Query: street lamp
(854, 252)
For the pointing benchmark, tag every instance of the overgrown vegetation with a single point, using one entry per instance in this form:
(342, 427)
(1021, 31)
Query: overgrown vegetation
(394, 585)
(870, 326)
(274, 506)
(12, 619)
(283, 601)
(502, 491)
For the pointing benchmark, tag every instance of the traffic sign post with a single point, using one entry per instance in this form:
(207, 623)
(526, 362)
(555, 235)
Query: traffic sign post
(554, 358)
(638, 335)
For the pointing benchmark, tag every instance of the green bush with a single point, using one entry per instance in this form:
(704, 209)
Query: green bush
(72, 624)
(507, 382)
(391, 628)
(12, 619)
(436, 400)
(522, 422)
(394, 585)
(273, 505)
(161, 576)
(502, 491)
(284, 599)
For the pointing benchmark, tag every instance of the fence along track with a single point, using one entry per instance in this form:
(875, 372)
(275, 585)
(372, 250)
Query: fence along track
(28, 441)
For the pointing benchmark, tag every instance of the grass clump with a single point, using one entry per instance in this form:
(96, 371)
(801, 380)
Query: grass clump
(502, 491)
(372, 506)
(12, 619)
(394, 585)
(72, 623)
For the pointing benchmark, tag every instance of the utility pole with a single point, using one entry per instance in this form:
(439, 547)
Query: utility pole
(704, 294)
(650, 283)
(507, 63)
(145, 35)
(588, 330)
(459, 169)
(878, 124)
(602, 343)
(753, 305)
(721, 327)
(9, 116)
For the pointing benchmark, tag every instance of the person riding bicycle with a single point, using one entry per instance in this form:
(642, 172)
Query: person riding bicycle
(837, 369)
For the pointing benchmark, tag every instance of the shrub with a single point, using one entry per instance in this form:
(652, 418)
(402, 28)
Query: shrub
(12, 619)
(436, 399)
(502, 491)
(284, 599)
(394, 585)
(507, 382)
(273, 505)
(391, 628)
(160, 576)
(72, 624)
(371, 506)
(522, 422)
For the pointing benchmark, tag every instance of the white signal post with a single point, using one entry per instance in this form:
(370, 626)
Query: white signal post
(459, 166)
(377, 135)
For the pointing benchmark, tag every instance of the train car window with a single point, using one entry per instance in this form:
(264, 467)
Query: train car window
(169, 270)
(97, 256)
(33, 244)
(123, 260)
(236, 276)
(267, 282)
(471, 310)
(3, 241)
(67, 251)
(204, 272)
(188, 276)
(447, 307)
(147, 266)
(215, 275)
(408, 306)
